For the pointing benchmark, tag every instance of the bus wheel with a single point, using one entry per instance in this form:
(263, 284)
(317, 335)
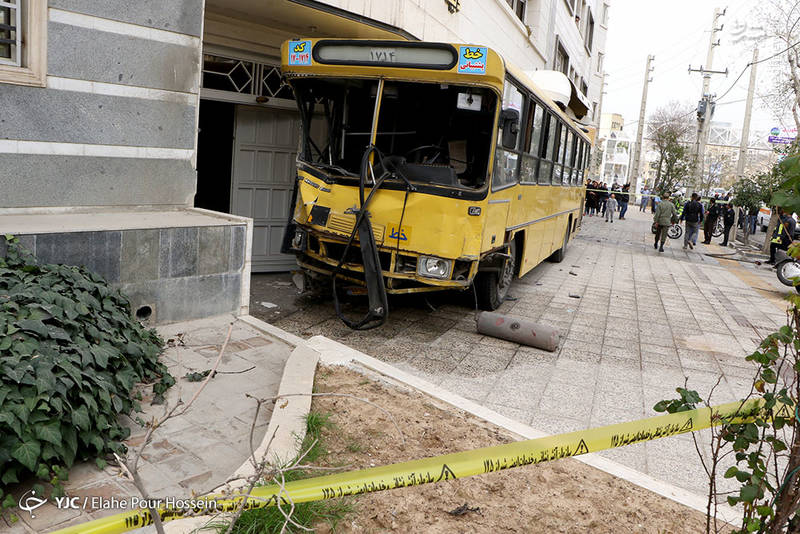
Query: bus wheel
(492, 286)
(558, 255)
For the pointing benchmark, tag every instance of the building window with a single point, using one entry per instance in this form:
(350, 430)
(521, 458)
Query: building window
(604, 17)
(518, 6)
(589, 30)
(22, 42)
(600, 62)
(10, 34)
(594, 111)
(561, 60)
(584, 87)
(243, 76)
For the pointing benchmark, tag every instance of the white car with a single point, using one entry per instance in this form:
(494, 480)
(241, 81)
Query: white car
(764, 215)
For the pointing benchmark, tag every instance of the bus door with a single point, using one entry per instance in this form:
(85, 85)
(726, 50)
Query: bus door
(503, 206)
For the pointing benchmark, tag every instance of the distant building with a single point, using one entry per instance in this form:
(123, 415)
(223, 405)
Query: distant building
(616, 147)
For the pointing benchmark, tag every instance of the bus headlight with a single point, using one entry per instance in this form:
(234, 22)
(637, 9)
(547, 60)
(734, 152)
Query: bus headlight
(433, 267)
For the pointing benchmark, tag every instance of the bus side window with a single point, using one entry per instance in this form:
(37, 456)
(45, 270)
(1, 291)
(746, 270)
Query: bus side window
(568, 154)
(506, 163)
(578, 159)
(533, 134)
(547, 149)
(558, 169)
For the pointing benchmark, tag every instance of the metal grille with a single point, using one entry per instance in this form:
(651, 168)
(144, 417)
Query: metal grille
(244, 76)
(10, 34)
(344, 224)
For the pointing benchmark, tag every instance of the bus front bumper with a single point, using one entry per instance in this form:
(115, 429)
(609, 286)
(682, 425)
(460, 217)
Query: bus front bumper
(321, 254)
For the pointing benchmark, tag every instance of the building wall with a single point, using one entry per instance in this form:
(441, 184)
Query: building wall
(116, 123)
(177, 273)
(529, 44)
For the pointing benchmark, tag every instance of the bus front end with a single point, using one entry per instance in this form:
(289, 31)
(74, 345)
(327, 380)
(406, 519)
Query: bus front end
(395, 133)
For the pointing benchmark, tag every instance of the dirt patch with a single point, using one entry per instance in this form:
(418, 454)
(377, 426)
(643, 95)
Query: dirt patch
(561, 496)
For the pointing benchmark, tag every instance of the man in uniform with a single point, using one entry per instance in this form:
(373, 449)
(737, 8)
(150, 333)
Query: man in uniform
(711, 221)
(666, 214)
(783, 235)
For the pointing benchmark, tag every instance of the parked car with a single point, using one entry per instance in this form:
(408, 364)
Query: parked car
(764, 215)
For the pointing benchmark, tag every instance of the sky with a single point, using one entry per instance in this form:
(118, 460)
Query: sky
(677, 34)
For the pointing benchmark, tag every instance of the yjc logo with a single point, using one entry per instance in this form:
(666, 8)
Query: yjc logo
(30, 503)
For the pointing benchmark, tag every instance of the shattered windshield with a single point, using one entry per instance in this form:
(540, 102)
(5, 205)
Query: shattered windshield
(432, 133)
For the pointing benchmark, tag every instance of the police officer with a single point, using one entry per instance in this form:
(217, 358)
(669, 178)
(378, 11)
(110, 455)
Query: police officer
(782, 236)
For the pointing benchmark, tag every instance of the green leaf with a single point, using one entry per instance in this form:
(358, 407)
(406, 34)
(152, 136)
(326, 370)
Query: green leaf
(748, 493)
(80, 418)
(27, 453)
(9, 476)
(49, 432)
(102, 353)
(45, 381)
(101, 463)
(731, 472)
(33, 326)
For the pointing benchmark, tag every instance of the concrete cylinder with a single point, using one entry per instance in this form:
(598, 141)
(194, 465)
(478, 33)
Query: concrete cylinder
(518, 330)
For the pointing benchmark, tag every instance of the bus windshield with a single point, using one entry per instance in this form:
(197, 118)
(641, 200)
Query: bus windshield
(437, 134)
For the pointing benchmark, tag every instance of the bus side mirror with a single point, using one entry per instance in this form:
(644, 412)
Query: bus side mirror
(509, 123)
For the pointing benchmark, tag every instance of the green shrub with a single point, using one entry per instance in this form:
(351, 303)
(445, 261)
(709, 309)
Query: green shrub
(70, 354)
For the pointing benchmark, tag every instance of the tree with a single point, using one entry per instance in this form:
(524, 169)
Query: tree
(669, 129)
(782, 21)
(752, 192)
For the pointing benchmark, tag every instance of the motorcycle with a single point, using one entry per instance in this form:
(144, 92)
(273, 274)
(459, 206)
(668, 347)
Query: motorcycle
(674, 231)
(787, 268)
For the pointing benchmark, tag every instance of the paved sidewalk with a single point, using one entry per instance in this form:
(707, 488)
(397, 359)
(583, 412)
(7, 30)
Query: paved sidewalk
(200, 449)
(644, 321)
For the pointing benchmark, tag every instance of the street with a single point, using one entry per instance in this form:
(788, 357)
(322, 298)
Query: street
(634, 324)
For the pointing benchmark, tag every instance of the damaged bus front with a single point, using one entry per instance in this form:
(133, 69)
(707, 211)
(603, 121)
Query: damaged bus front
(406, 141)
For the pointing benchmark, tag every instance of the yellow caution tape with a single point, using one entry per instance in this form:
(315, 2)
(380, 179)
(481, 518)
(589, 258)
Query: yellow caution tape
(440, 468)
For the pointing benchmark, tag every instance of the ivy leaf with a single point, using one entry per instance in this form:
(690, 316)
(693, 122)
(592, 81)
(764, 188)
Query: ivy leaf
(33, 325)
(45, 381)
(102, 353)
(9, 476)
(49, 432)
(27, 453)
(80, 418)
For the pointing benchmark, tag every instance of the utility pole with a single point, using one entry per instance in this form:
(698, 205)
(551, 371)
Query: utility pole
(705, 108)
(633, 171)
(744, 141)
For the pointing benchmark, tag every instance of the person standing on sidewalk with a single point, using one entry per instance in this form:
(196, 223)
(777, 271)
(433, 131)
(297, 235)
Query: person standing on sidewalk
(752, 219)
(611, 207)
(693, 215)
(711, 221)
(624, 198)
(727, 218)
(665, 216)
(782, 237)
(645, 198)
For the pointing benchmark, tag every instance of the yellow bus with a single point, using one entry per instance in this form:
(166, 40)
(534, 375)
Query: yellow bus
(428, 166)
